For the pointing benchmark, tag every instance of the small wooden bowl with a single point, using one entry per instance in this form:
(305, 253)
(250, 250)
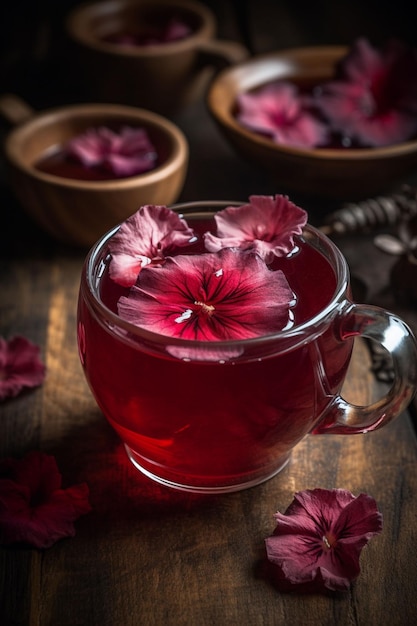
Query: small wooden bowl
(325, 173)
(80, 211)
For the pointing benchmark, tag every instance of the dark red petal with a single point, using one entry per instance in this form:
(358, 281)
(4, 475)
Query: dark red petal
(20, 366)
(34, 509)
(298, 547)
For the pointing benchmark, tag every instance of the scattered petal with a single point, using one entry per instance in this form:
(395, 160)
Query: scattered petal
(34, 509)
(317, 542)
(144, 239)
(210, 297)
(20, 366)
(278, 111)
(125, 153)
(267, 226)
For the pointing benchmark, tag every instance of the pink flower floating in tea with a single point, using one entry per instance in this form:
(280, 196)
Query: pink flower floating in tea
(374, 101)
(144, 239)
(226, 295)
(267, 226)
(317, 542)
(125, 153)
(20, 366)
(34, 508)
(279, 111)
(371, 101)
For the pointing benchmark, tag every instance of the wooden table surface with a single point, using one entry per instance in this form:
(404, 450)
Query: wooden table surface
(147, 555)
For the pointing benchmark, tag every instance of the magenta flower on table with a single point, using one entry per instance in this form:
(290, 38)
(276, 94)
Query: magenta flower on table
(374, 101)
(210, 297)
(317, 542)
(125, 153)
(281, 113)
(34, 508)
(145, 238)
(267, 226)
(20, 366)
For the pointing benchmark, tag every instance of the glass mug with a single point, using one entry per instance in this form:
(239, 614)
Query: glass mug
(212, 417)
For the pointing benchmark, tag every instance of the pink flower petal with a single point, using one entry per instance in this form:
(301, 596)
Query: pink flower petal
(20, 366)
(278, 111)
(374, 100)
(127, 153)
(209, 297)
(34, 509)
(267, 226)
(317, 542)
(145, 238)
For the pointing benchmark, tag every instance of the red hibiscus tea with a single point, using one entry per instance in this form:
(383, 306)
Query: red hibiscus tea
(218, 416)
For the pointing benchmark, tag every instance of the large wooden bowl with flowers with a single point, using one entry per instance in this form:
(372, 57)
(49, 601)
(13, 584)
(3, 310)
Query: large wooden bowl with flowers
(333, 122)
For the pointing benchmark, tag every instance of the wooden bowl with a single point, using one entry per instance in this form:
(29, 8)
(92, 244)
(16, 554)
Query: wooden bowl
(162, 77)
(80, 211)
(326, 173)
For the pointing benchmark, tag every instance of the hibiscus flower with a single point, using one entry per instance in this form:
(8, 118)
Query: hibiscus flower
(267, 226)
(318, 540)
(279, 112)
(125, 153)
(374, 100)
(20, 366)
(145, 238)
(34, 508)
(209, 297)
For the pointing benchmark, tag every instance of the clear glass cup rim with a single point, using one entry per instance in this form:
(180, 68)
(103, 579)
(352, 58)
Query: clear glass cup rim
(308, 329)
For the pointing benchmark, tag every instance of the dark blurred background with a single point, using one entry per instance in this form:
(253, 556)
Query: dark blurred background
(34, 57)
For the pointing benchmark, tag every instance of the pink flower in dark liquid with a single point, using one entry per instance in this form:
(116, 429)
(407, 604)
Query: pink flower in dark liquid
(267, 226)
(174, 29)
(209, 297)
(374, 102)
(278, 111)
(34, 509)
(125, 153)
(20, 366)
(318, 540)
(145, 238)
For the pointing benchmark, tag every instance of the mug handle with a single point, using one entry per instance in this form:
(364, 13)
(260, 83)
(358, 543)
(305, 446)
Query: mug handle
(372, 322)
(15, 110)
(221, 53)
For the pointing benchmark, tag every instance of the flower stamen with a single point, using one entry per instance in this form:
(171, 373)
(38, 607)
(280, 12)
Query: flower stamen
(206, 308)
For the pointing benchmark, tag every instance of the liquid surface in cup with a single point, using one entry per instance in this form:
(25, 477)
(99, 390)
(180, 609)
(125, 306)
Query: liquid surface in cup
(210, 424)
(161, 31)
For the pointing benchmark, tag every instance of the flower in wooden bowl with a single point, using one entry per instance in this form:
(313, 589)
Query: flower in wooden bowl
(334, 122)
(79, 170)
